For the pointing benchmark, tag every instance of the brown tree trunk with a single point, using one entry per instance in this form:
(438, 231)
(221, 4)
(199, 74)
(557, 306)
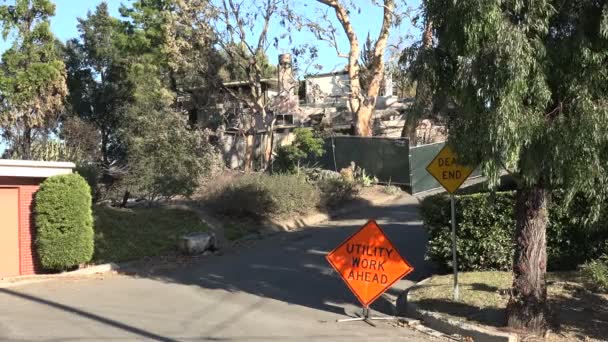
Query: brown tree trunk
(27, 144)
(363, 120)
(249, 151)
(527, 308)
(125, 199)
(268, 145)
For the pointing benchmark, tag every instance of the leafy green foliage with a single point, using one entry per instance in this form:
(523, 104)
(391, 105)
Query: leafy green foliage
(164, 157)
(335, 187)
(32, 76)
(364, 179)
(237, 61)
(64, 222)
(262, 195)
(524, 87)
(305, 146)
(92, 174)
(97, 66)
(529, 88)
(595, 273)
(485, 228)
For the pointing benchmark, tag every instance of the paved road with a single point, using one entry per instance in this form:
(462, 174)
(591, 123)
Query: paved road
(277, 289)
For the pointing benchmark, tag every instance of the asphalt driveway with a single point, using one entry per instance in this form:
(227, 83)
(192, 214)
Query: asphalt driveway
(278, 289)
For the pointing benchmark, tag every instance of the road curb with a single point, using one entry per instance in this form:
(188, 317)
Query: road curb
(33, 279)
(449, 326)
(316, 218)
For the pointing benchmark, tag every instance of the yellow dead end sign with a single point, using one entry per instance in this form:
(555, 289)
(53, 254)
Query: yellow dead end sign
(447, 171)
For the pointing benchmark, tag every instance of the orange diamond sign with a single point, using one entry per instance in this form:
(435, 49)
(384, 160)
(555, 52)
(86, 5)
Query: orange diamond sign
(368, 263)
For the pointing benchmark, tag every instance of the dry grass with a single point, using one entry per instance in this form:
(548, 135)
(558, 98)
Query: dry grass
(582, 315)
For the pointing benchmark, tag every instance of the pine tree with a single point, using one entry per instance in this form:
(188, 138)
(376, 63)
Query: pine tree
(97, 68)
(32, 75)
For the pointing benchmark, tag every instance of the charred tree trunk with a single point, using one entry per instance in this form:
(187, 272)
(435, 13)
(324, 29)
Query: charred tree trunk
(104, 147)
(27, 144)
(125, 199)
(527, 308)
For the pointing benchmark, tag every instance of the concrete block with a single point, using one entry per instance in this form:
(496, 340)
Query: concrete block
(197, 243)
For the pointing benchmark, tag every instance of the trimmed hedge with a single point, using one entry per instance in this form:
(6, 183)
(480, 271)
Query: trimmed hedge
(486, 225)
(64, 221)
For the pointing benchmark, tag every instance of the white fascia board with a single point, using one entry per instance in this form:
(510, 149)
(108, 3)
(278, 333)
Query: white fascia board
(34, 169)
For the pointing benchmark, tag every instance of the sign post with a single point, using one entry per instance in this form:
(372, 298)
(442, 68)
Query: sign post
(454, 258)
(369, 264)
(451, 176)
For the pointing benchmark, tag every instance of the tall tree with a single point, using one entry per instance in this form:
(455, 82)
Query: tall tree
(175, 36)
(32, 75)
(415, 60)
(241, 31)
(146, 31)
(528, 83)
(361, 101)
(97, 67)
(164, 157)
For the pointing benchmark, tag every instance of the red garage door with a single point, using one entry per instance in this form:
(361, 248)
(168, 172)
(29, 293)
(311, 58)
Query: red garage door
(9, 232)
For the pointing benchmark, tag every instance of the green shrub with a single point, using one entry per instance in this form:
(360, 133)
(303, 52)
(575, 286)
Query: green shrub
(595, 274)
(92, 174)
(64, 221)
(484, 231)
(262, 195)
(362, 178)
(337, 190)
(486, 225)
(305, 146)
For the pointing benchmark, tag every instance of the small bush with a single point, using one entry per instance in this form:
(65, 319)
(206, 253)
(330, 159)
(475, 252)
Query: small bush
(262, 195)
(316, 175)
(337, 190)
(392, 190)
(64, 221)
(595, 274)
(358, 175)
(305, 146)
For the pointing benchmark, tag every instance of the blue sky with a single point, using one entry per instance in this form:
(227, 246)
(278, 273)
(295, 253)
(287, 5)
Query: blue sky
(369, 20)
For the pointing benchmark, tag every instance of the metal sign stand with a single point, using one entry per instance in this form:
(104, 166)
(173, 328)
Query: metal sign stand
(367, 318)
(454, 258)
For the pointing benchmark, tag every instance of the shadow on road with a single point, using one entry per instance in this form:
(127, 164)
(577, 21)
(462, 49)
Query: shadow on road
(86, 314)
(288, 267)
(291, 267)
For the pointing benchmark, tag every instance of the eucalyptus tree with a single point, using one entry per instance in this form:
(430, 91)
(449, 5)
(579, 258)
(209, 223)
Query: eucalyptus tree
(361, 101)
(414, 63)
(32, 75)
(527, 84)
